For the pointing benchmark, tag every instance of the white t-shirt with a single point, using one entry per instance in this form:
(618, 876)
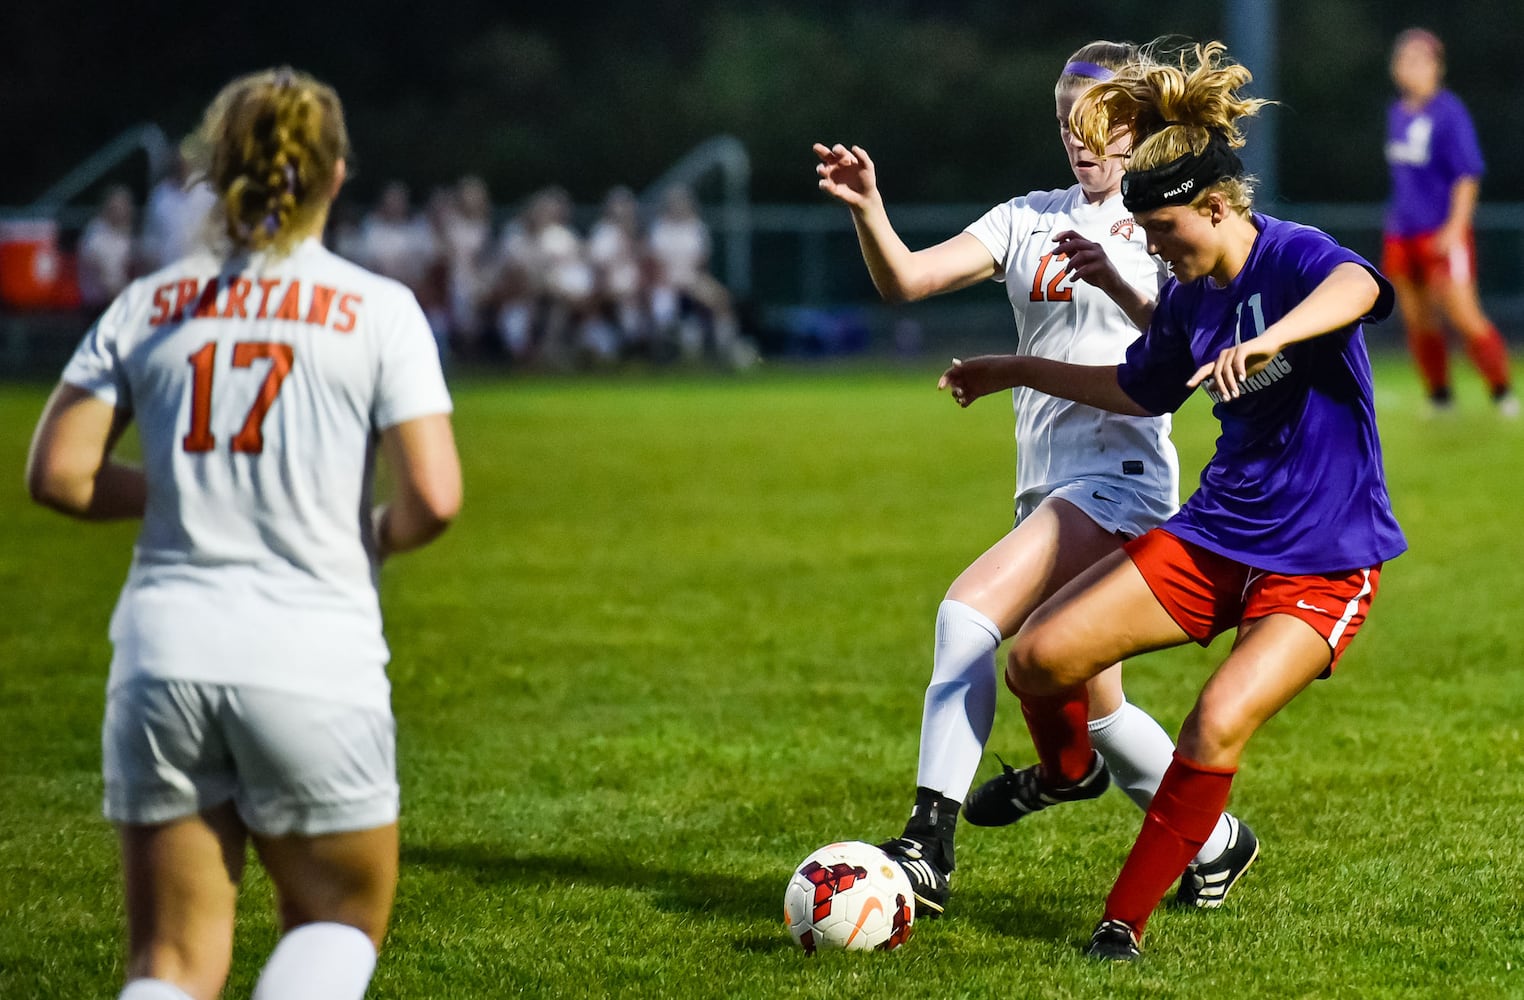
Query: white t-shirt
(1065, 319)
(259, 386)
(105, 262)
(681, 249)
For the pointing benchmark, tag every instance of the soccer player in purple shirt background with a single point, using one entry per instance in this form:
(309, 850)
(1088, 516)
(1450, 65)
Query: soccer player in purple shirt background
(1429, 252)
(1285, 538)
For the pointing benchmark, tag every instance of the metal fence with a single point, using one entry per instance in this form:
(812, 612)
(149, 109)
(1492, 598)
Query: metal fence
(807, 278)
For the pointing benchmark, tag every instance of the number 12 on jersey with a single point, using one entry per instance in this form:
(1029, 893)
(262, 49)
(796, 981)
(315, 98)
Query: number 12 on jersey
(1051, 293)
(250, 439)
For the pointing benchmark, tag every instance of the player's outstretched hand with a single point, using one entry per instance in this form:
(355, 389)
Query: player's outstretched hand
(1233, 366)
(846, 174)
(968, 380)
(1087, 260)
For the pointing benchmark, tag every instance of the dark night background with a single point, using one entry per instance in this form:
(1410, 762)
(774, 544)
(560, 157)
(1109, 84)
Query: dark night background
(951, 97)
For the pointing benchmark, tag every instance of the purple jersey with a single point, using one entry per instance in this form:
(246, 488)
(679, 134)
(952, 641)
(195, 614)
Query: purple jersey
(1296, 484)
(1428, 150)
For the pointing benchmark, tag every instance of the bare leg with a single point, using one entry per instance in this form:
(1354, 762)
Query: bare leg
(181, 888)
(346, 878)
(1274, 658)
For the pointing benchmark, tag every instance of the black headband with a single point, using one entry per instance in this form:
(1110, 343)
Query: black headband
(1179, 181)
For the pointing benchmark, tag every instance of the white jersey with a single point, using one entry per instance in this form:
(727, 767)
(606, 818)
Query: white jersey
(1058, 317)
(259, 386)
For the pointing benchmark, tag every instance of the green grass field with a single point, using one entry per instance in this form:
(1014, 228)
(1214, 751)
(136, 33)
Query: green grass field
(679, 638)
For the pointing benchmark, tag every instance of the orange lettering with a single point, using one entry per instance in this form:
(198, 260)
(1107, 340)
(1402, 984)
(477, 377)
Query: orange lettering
(207, 306)
(322, 298)
(185, 294)
(347, 305)
(238, 290)
(290, 306)
(160, 305)
(266, 286)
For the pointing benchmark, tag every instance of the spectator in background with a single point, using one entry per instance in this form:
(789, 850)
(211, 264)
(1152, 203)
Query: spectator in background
(617, 255)
(106, 250)
(395, 242)
(543, 254)
(686, 300)
(434, 292)
(1430, 251)
(465, 230)
(175, 217)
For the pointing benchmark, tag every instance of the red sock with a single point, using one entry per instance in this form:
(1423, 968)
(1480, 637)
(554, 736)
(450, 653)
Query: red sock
(1061, 732)
(1429, 353)
(1490, 355)
(1180, 819)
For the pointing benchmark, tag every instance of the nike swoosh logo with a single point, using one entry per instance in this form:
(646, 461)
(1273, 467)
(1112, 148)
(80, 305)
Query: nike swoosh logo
(1310, 607)
(1097, 495)
(872, 906)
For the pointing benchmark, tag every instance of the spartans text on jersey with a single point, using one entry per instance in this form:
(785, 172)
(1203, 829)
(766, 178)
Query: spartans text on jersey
(259, 298)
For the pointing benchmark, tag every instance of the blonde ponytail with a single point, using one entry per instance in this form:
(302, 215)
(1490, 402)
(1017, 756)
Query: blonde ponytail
(271, 143)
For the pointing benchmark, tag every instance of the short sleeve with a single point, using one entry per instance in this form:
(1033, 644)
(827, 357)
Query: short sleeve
(96, 365)
(1159, 363)
(411, 381)
(1459, 149)
(996, 230)
(1316, 254)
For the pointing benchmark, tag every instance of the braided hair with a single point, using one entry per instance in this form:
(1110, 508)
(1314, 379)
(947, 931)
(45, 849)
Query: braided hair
(270, 145)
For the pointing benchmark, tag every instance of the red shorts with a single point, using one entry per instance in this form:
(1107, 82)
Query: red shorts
(1414, 258)
(1207, 594)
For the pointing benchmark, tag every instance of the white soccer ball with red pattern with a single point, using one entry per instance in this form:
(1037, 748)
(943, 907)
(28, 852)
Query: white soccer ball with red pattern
(849, 897)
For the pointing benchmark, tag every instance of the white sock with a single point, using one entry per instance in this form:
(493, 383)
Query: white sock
(323, 961)
(1138, 751)
(152, 989)
(960, 701)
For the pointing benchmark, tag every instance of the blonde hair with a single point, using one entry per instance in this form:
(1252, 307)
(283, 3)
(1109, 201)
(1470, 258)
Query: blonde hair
(1172, 108)
(269, 145)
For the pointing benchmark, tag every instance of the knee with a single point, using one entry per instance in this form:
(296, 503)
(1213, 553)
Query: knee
(1215, 732)
(1040, 663)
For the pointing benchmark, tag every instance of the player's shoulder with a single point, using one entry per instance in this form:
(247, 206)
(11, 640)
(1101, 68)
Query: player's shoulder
(1284, 235)
(1038, 203)
(318, 263)
(1448, 102)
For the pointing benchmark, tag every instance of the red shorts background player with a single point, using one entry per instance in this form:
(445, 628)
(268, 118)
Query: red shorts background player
(1429, 252)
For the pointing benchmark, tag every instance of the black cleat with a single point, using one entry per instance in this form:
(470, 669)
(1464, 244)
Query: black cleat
(922, 863)
(1207, 884)
(1114, 941)
(1007, 797)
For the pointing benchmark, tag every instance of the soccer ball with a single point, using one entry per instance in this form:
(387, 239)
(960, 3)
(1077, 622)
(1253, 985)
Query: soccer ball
(849, 897)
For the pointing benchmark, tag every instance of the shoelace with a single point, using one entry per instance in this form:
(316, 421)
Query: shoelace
(1025, 782)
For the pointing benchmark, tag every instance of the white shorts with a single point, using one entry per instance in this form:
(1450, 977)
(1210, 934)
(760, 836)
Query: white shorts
(1112, 502)
(291, 764)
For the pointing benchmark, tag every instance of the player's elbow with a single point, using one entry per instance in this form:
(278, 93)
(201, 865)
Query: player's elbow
(436, 500)
(439, 504)
(895, 292)
(56, 488)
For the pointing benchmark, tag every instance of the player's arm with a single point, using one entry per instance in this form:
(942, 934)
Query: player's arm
(1347, 294)
(1092, 385)
(70, 468)
(1087, 260)
(1463, 196)
(427, 489)
(899, 273)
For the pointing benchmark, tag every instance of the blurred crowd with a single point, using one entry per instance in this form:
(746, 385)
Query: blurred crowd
(536, 291)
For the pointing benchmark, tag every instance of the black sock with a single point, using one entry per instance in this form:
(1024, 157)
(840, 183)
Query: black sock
(934, 820)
